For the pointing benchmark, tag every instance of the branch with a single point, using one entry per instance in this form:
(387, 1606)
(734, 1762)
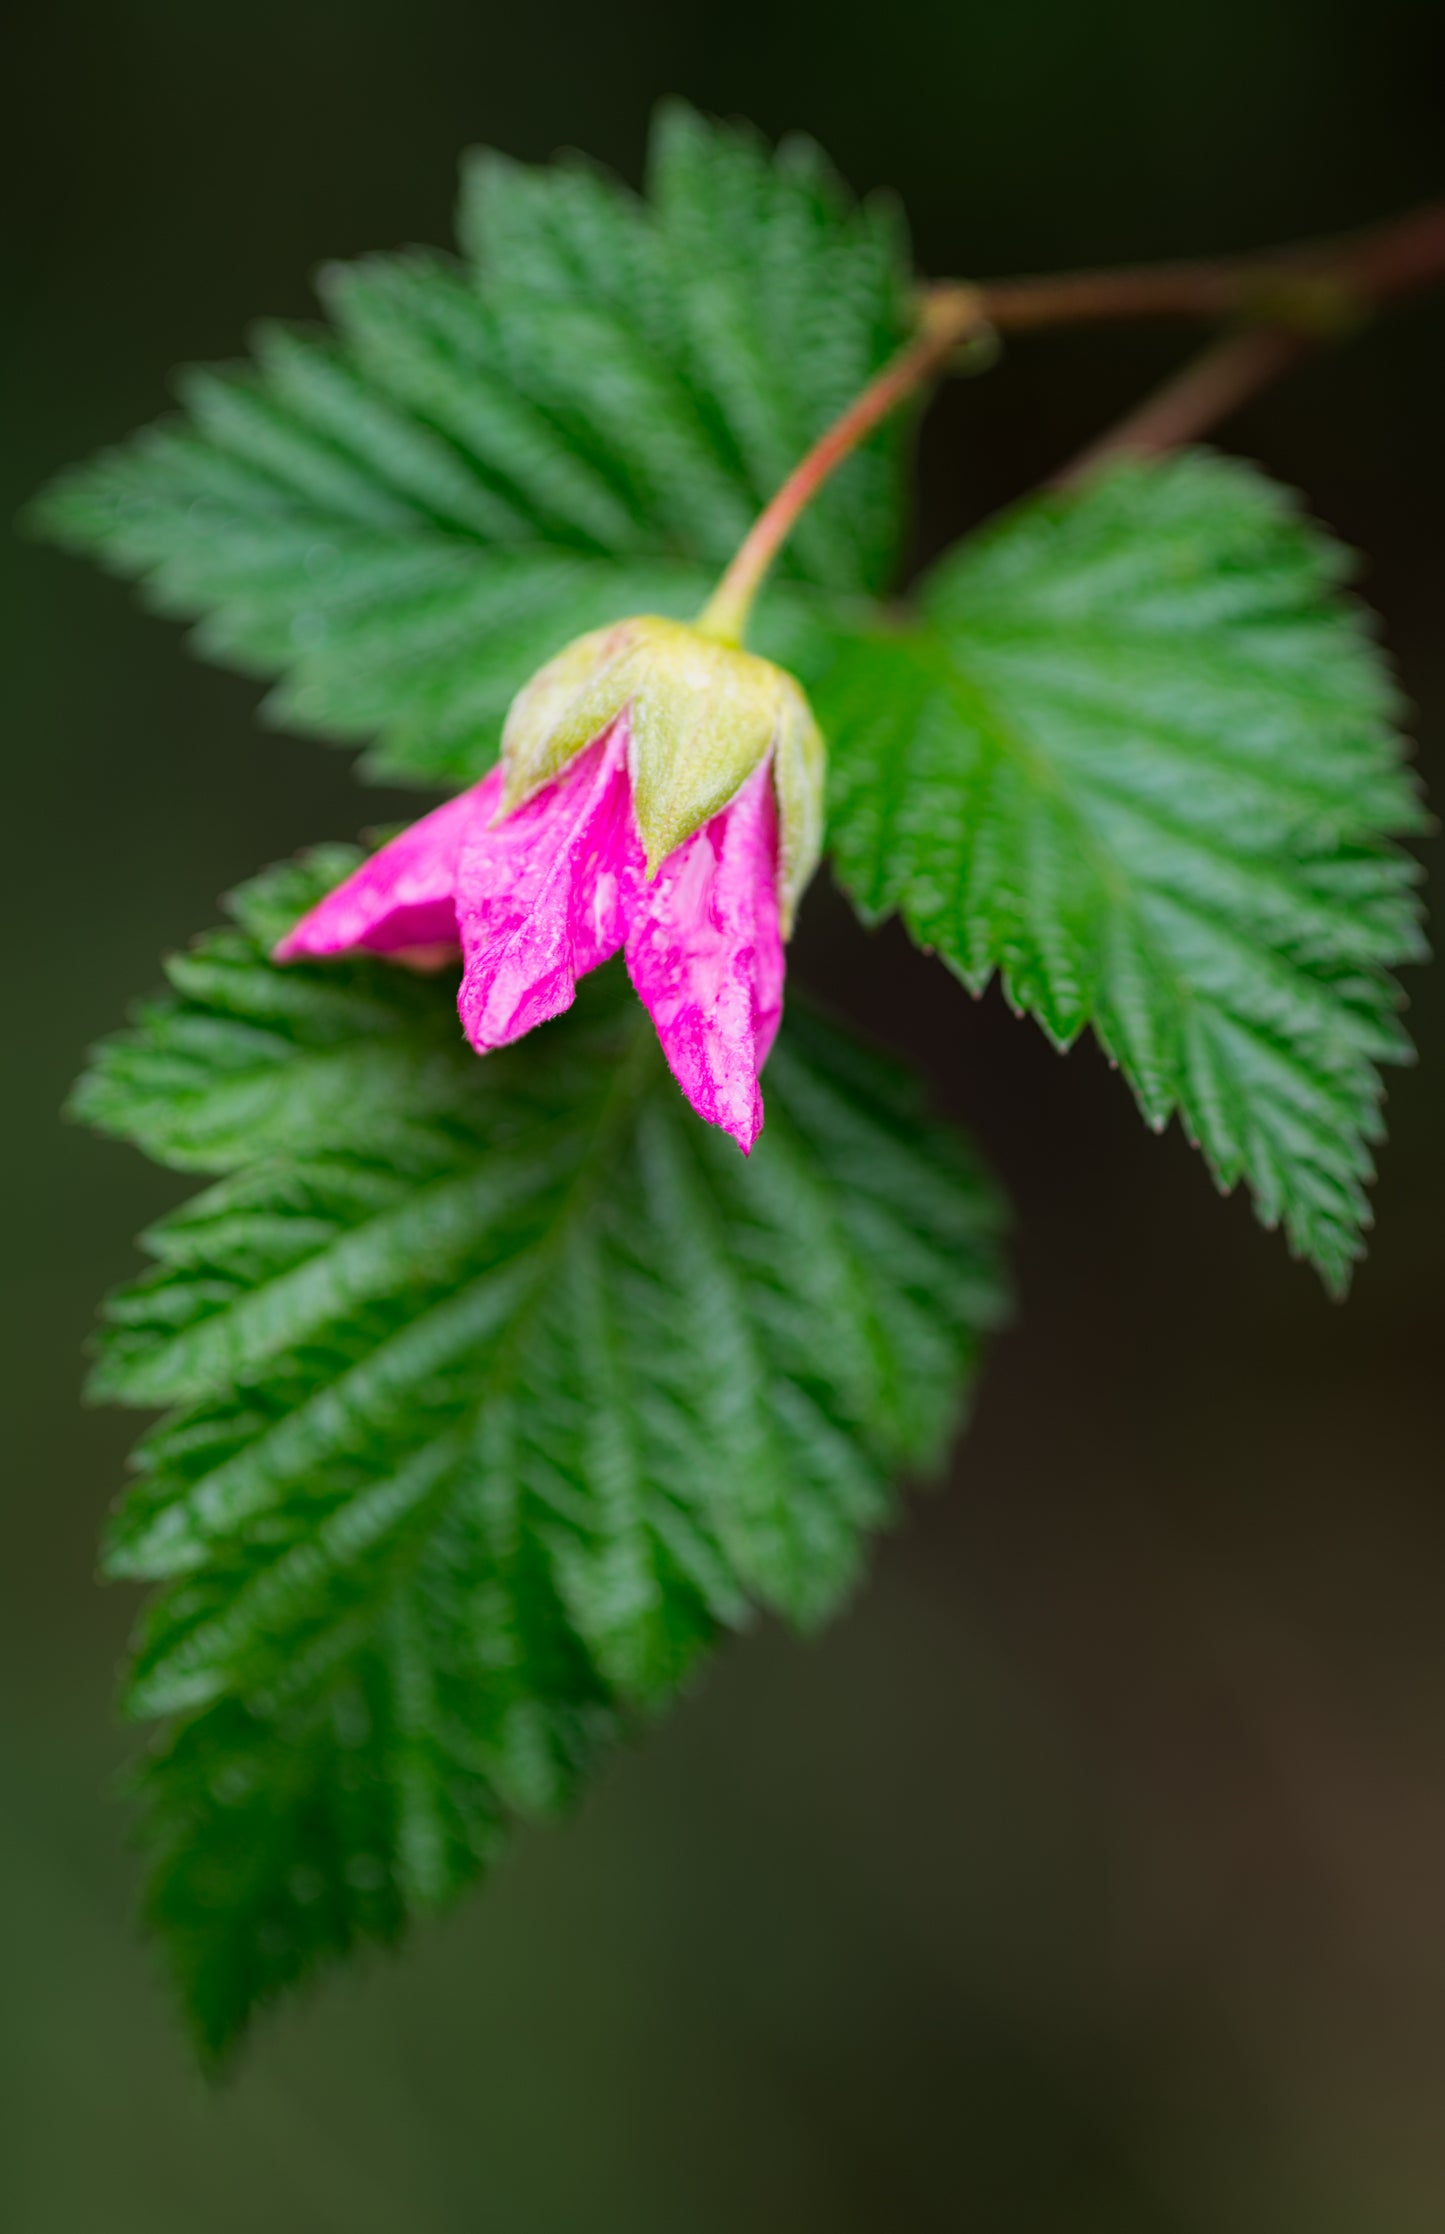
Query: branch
(1318, 287)
(1282, 304)
(1290, 297)
(1208, 389)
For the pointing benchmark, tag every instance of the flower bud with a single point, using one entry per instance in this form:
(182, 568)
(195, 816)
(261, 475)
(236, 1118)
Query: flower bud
(701, 717)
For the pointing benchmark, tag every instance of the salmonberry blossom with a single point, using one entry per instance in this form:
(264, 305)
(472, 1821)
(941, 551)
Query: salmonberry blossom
(660, 793)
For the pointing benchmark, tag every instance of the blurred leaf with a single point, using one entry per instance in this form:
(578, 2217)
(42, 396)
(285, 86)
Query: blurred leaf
(1139, 756)
(403, 517)
(499, 1389)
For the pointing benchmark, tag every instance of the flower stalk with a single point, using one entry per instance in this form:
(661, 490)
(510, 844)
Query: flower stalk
(950, 315)
(1284, 301)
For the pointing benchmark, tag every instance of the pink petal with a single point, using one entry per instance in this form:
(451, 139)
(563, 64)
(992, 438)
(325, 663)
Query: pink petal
(543, 896)
(705, 954)
(400, 901)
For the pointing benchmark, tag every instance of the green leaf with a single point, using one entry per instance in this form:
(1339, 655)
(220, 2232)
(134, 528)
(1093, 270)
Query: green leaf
(498, 1390)
(1139, 756)
(402, 517)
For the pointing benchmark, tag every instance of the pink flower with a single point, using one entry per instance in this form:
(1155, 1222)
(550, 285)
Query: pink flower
(636, 808)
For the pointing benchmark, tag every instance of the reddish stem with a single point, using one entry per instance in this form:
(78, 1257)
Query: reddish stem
(949, 316)
(1290, 297)
(1205, 391)
(1317, 284)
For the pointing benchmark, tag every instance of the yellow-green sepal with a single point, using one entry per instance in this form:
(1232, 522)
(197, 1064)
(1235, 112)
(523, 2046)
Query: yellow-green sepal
(800, 775)
(564, 707)
(702, 717)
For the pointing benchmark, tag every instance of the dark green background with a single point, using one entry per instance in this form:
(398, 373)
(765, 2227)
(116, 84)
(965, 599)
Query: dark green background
(1091, 1874)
